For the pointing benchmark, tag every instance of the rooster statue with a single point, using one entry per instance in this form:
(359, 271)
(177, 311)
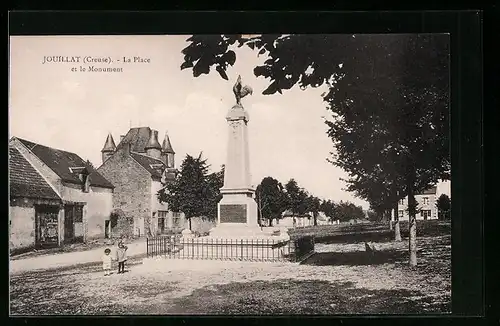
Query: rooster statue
(241, 91)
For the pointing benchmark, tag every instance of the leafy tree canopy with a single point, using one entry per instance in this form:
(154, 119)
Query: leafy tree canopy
(194, 192)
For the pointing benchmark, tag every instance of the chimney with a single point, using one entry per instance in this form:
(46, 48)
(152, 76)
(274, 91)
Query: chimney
(127, 148)
(153, 147)
(121, 138)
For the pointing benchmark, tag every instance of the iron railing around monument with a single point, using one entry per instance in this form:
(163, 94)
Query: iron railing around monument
(271, 250)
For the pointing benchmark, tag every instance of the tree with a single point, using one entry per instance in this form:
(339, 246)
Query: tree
(313, 205)
(194, 192)
(382, 195)
(373, 216)
(387, 95)
(214, 183)
(443, 205)
(296, 198)
(271, 199)
(329, 209)
(346, 211)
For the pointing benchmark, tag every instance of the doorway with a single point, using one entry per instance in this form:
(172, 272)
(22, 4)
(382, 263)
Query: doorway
(69, 226)
(46, 226)
(107, 226)
(73, 213)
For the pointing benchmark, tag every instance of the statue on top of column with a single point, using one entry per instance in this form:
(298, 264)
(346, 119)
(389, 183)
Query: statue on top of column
(241, 91)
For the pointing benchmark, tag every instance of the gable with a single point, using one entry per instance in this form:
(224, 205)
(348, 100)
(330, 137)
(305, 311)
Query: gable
(154, 166)
(65, 164)
(25, 181)
(137, 138)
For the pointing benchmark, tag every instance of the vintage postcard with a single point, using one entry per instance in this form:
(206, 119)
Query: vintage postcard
(230, 174)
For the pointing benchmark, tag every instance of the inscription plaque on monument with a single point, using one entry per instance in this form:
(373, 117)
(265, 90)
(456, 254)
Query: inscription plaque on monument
(233, 213)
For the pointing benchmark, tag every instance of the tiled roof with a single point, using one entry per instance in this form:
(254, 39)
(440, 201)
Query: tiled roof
(61, 161)
(153, 141)
(25, 181)
(109, 145)
(138, 139)
(154, 166)
(167, 146)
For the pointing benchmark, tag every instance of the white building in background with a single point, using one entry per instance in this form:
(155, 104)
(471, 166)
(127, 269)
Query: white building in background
(426, 204)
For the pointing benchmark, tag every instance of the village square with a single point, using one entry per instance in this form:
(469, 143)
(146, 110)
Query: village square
(232, 202)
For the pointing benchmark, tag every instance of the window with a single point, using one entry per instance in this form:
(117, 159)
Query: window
(402, 201)
(162, 214)
(176, 214)
(426, 200)
(161, 224)
(425, 213)
(400, 213)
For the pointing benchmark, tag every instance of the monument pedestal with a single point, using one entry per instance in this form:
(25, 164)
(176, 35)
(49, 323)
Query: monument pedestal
(237, 211)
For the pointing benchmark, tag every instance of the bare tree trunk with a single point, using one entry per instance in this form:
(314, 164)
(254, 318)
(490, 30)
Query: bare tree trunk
(412, 225)
(397, 231)
(190, 224)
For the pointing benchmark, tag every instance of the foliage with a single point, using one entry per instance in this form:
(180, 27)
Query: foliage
(214, 182)
(373, 216)
(296, 198)
(443, 205)
(345, 211)
(313, 204)
(388, 98)
(328, 208)
(271, 199)
(194, 192)
(115, 216)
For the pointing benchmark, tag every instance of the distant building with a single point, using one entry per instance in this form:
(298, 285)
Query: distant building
(137, 166)
(55, 197)
(293, 220)
(426, 206)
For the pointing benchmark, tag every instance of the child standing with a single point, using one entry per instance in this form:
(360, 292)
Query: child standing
(106, 262)
(121, 256)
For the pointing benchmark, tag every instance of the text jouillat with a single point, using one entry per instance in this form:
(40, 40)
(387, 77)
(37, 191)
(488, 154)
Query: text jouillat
(61, 59)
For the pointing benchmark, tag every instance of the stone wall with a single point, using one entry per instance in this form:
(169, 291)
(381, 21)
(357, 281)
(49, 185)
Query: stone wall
(121, 225)
(199, 225)
(22, 227)
(98, 200)
(98, 207)
(132, 193)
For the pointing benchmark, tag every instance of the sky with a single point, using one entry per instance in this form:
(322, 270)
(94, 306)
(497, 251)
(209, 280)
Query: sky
(74, 111)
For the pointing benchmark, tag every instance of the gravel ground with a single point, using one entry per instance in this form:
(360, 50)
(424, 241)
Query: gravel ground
(326, 283)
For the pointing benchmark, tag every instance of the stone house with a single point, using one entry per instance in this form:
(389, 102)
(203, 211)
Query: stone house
(426, 206)
(138, 166)
(55, 197)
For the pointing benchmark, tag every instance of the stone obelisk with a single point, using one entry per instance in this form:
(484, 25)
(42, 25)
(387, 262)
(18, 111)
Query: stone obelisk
(237, 210)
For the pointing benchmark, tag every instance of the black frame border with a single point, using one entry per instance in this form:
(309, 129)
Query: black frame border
(465, 28)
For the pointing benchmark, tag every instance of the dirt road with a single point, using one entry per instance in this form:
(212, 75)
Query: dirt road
(69, 258)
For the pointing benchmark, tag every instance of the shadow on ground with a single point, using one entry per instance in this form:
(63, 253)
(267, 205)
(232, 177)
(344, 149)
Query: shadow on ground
(355, 258)
(304, 297)
(356, 237)
(375, 232)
